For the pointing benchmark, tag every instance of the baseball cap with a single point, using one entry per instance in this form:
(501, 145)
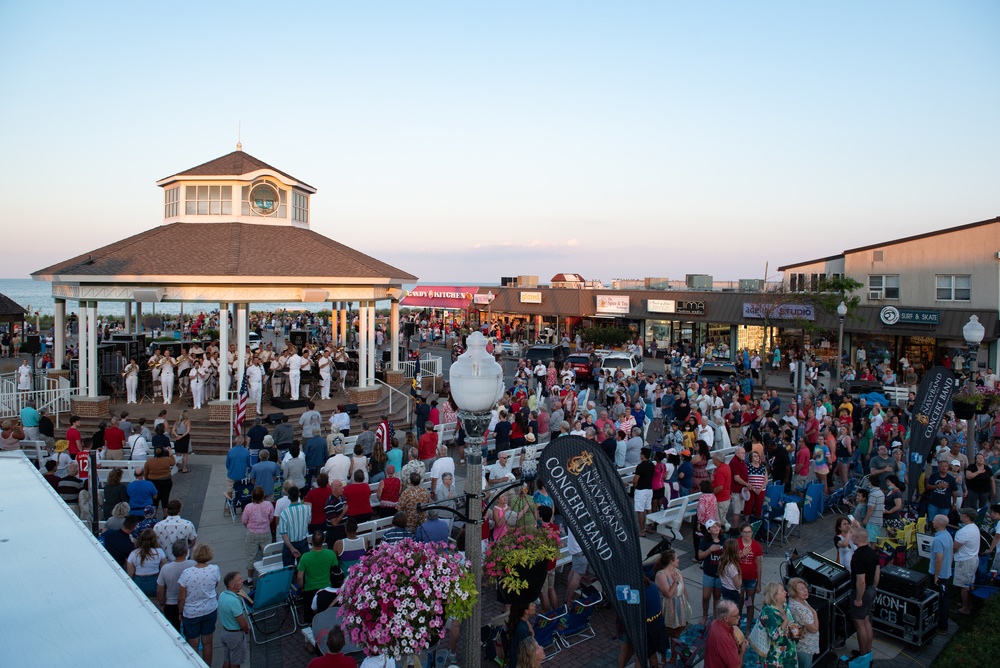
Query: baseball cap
(710, 523)
(955, 462)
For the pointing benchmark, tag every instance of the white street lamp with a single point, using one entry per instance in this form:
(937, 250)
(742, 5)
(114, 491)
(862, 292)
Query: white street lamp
(973, 333)
(841, 312)
(476, 386)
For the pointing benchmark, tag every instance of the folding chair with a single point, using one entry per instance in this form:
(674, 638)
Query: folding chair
(547, 627)
(273, 592)
(576, 624)
(242, 493)
(789, 520)
(271, 560)
(863, 661)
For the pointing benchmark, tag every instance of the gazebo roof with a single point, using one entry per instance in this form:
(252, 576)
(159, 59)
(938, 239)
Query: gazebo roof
(224, 250)
(10, 308)
(236, 163)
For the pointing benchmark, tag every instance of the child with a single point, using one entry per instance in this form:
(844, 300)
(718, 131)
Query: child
(708, 508)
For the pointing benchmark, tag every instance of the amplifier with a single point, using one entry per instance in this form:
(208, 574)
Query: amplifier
(911, 618)
(902, 581)
(821, 572)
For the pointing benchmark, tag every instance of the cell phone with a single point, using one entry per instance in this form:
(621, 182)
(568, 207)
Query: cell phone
(850, 517)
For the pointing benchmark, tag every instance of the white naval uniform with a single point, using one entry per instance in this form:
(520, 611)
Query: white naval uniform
(294, 375)
(167, 381)
(255, 381)
(24, 378)
(324, 376)
(197, 385)
(131, 382)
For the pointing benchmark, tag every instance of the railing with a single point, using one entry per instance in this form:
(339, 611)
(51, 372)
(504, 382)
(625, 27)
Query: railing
(429, 365)
(54, 399)
(392, 390)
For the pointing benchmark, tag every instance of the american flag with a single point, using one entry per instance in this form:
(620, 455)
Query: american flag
(241, 406)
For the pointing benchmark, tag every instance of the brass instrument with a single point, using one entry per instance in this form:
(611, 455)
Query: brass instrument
(154, 363)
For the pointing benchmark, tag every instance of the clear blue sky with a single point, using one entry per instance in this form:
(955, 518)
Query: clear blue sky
(463, 141)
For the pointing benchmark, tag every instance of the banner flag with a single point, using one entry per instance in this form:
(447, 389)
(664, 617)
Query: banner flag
(932, 400)
(592, 500)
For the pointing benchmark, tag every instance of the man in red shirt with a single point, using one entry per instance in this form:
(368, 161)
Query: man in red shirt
(73, 436)
(427, 445)
(722, 482)
(114, 440)
(812, 428)
(723, 649)
(738, 470)
(335, 641)
(601, 423)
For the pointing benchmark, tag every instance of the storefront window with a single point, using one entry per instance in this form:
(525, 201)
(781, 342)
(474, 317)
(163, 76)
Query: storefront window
(658, 331)
(751, 337)
(718, 337)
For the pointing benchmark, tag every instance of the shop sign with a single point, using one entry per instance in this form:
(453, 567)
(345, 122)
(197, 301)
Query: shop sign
(890, 315)
(483, 299)
(779, 311)
(531, 297)
(691, 308)
(661, 306)
(439, 296)
(617, 304)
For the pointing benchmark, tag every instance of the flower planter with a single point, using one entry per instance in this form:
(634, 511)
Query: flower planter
(535, 577)
(963, 411)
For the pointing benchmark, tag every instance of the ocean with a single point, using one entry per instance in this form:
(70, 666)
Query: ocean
(38, 296)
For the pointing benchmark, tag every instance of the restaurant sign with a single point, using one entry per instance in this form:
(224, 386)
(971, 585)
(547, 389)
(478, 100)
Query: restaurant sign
(531, 297)
(779, 311)
(890, 315)
(439, 296)
(616, 304)
(675, 306)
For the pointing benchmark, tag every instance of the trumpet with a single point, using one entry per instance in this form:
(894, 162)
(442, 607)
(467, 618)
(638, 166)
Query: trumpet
(155, 364)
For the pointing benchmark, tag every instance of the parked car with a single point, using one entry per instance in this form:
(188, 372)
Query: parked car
(583, 366)
(545, 354)
(630, 364)
(715, 372)
(254, 340)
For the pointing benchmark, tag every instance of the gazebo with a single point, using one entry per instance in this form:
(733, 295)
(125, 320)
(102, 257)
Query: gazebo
(235, 231)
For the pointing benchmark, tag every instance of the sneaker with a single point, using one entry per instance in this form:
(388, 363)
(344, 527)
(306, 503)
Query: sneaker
(452, 658)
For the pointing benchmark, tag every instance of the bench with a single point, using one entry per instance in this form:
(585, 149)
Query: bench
(36, 451)
(446, 432)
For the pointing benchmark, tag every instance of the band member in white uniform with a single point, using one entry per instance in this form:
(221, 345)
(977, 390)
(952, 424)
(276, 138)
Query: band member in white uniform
(255, 382)
(154, 364)
(340, 357)
(307, 366)
(197, 384)
(294, 373)
(324, 374)
(131, 380)
(167, 377)
(276, 364)
(24, 376)
(183, 364)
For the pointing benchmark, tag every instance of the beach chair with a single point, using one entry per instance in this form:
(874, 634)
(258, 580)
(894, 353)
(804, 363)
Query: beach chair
(547, 627)
(242, 493)
(576, 625)
(272, 593)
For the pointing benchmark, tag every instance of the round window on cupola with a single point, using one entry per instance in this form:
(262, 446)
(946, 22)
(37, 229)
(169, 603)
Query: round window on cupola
(264, 199)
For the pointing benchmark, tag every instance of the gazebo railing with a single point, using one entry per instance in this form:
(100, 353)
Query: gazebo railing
(54, 399)
(429, 365)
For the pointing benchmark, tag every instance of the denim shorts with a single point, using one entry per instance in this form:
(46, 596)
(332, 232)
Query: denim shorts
(199, 626)
(708, 581)
(749, 585)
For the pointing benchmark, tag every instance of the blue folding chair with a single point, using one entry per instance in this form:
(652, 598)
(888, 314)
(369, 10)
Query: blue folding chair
(813, 508)
(273, 592)
(547, 628)
(242, 493)
(576, 624)
(863, 661)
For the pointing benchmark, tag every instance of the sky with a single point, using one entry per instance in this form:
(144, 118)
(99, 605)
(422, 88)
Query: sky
(465, 141)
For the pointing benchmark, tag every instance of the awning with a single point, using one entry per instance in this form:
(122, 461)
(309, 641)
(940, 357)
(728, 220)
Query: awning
(439, 296)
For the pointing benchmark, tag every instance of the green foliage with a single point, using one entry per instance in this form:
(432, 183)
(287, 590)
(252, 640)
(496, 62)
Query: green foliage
(834, 290)
(458, 608)
(163, 339)
(606, 336)
(209, 334)
(976, 643)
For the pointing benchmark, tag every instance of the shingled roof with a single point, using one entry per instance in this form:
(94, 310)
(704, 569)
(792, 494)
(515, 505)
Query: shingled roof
(236, 163)
(226, 249)
(9, 307)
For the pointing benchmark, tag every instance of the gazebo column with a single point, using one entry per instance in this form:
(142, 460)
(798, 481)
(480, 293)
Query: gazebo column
(224, 351)
(241, 340)
(362, 346)
(59, 336)
(82, 366)
(94, 385)
(138, 318)
(372, 350)
(128, 317)
(344, 308)
(394, 332)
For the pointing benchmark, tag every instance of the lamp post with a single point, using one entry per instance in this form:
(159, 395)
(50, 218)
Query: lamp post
(841, 312)
(973, 333)
(476, 386)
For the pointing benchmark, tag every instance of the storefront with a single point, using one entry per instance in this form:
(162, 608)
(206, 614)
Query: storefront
(446, 306)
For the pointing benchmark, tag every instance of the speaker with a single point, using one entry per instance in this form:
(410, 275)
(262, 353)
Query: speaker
(32, 344)
(351, 409)
(409, 329)
(275, 418)
(298, 338)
